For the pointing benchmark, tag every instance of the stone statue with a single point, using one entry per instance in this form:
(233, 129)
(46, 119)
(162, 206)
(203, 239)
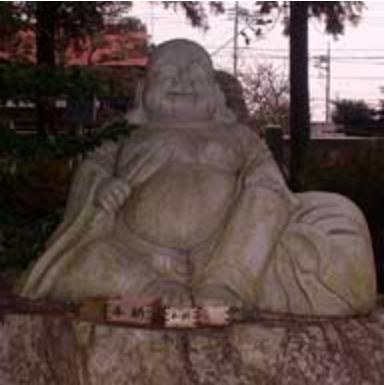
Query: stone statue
(192, 208)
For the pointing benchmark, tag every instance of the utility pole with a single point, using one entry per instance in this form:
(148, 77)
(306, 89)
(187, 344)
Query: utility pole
(299, 91)
(328, 82)
(324, 64)
(236, 33)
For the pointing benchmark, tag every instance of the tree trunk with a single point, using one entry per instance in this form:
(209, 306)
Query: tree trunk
(45, 59)
(299, 91)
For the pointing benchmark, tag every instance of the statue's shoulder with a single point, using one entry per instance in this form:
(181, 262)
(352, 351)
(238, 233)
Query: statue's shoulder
(104, 151)
(253, 146)
(103, 156)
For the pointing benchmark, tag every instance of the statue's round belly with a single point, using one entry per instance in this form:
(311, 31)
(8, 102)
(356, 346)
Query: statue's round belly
(181, 205)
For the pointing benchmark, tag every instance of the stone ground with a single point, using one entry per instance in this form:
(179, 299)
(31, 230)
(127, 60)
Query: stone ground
(41, 351)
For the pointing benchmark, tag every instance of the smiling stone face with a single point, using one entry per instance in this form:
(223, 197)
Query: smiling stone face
(180, 84)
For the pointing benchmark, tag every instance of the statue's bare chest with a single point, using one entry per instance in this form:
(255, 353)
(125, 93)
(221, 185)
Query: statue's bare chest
(186, 199)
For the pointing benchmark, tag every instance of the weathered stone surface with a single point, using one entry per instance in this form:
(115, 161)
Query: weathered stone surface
(37, 351)
(192, 207)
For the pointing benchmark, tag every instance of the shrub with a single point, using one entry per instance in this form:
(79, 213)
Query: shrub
(35, 175)
(358, 175)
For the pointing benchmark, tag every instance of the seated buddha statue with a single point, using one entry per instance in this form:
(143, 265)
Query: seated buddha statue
(192, 207)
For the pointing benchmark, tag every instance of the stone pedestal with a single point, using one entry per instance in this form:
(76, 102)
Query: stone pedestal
(46, 351)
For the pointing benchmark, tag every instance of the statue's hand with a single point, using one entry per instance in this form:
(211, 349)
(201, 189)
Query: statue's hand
(112, 194)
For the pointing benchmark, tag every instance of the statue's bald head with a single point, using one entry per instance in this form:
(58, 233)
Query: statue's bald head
(181, 50)
(181, 87)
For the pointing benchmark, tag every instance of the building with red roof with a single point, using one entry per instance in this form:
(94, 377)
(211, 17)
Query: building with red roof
(116, 54)
(115, 45)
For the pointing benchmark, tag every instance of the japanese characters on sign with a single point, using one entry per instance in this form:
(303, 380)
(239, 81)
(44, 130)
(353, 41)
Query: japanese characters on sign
(184, 317)
(130, 311)
(191, 317)
(150, 312)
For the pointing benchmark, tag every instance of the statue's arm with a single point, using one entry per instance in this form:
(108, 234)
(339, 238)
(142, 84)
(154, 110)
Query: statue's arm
(262, 213)
(261, 171)
(132, 164)
(121, 166)
(262, 177)
(264, 198)
(257, 221)
(92, 171)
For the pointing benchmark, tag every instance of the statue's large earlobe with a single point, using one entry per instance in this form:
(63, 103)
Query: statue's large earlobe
(222, 113)
(137, 115)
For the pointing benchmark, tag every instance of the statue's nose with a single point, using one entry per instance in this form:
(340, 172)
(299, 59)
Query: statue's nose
(182, 84)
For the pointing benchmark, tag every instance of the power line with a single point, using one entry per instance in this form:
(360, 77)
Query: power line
(363, 62)
(284, 50)
(285, 57)
(364, 78)
(340, 59)
(318, 49)
(257, 49)
(369, 78)
(358, 57)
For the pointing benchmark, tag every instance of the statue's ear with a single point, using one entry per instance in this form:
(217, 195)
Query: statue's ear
(219, 95)
(222, 113)
(137, 115)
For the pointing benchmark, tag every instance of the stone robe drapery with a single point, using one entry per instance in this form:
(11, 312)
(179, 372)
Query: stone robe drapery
(306, 253)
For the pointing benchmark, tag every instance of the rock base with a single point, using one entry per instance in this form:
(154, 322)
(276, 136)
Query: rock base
(41, 351)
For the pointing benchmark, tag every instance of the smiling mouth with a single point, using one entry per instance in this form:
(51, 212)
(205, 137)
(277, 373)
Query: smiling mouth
(172, 93)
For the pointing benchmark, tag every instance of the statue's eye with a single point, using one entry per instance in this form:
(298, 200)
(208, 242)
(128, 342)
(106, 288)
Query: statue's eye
(167, 77)
(198, 70)
(167, 73)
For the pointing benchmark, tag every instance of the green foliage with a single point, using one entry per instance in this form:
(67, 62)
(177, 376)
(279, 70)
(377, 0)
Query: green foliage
(32, 198)
(357, 118)
(359, 175)
(23, 82)
(35, 175)
(196, 11)
(74, 19)
(29, 148)
(334, 15)
(10, 18)
(22, 240)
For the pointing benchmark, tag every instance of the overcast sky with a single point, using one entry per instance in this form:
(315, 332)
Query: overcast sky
(357, 57)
